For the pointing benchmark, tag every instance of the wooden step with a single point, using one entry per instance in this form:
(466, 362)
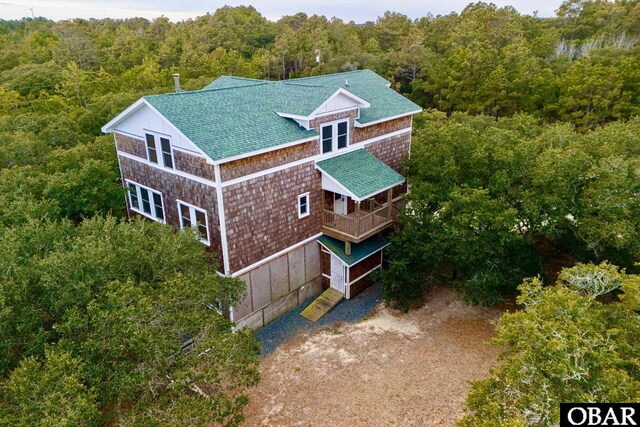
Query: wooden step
(322, 305)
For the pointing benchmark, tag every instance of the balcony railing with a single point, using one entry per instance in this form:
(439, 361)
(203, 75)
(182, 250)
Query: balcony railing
(370, 218)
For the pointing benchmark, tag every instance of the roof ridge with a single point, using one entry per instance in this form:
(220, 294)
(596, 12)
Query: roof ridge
(328, 75)
(289, 83)
(243, 78)
(213, 89)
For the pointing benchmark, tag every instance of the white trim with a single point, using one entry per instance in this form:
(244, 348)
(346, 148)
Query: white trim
(410, 135)
(192, 209)
(333, 253)
(126, 196)
(157, 140)
(363, 275)
(274, 256)
(342, 110)
(341, 91)
(155, 132)
(186, 150)
(307, 213)
(223, 223)
(292, 116)
(173, 171)
(129, 134)
(108, 128)
(353, 147)
(342, 187)
(334, 135)
(151, 201)
(178, 131)
(264, 150)
(301, 120)
(375, 122)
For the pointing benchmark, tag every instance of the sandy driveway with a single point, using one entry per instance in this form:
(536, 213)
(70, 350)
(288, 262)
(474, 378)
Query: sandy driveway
(391, 369)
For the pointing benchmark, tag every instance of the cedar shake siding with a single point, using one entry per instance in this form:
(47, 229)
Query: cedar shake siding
(392, 150)
(194, 165)
(350, 114)
(372, 131)
(262, 213)
(184, 162)
(174, 187)
(365, 266)
(130, 145)
(253, 164)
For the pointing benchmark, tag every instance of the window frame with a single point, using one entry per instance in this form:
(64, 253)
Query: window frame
(157, 140)
(140, 209)
(192, 219)
(334, 135)
(308, 205)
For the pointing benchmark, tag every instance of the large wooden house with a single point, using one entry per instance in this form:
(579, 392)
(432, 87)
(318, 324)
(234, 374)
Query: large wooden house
(290, 183)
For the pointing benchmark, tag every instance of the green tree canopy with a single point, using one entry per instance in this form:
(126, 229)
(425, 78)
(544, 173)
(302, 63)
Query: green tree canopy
(564, 346)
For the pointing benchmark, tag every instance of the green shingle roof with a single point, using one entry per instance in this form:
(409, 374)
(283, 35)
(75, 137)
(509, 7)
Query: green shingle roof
(361, 173)
(234, 116)
(359, 251)
(224, 82)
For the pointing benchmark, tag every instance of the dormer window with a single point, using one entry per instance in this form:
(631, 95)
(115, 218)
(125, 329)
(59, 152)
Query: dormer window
(334, 136)
(155, 143)
(343, 133)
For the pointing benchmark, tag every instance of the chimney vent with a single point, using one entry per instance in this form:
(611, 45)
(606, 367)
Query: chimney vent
(346, 83)
(176, 82)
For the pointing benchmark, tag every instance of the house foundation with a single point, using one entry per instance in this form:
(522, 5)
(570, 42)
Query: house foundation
(279, 285)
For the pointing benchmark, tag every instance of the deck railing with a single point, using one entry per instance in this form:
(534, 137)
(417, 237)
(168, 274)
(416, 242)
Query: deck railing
(369, 219)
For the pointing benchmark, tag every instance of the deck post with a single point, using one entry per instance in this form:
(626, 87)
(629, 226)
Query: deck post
(390, 204)
(357, 230)
(347, 248)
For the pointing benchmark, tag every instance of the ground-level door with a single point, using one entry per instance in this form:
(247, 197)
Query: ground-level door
(337, 274)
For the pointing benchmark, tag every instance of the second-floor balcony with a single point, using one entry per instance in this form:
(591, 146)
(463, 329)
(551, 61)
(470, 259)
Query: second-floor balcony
(358, 195)
(361, 219)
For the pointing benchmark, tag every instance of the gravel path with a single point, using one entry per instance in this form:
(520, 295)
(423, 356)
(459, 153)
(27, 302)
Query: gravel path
(287, 326)
(389, 369)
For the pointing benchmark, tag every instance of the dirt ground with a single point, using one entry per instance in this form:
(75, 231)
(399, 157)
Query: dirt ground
(390, 369)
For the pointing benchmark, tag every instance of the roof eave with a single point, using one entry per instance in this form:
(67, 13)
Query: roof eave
(109, 127)
(384, 119)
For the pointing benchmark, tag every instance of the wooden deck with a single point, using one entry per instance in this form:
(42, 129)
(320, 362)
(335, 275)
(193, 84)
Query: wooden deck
(322, 305)
(360, 224)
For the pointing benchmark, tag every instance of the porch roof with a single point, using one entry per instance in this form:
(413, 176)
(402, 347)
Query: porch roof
(360, 174)
(359, 251)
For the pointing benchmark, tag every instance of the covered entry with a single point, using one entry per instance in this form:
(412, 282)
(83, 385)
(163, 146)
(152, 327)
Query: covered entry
(350, 272)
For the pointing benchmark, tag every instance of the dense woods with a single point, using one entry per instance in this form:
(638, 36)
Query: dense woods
(525, 160)
(495, 201)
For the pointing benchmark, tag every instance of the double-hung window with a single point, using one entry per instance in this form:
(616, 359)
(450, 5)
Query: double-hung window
(157, 143)
(327, 139)
(195, 219)
(334, 136)
(145, 201)
(303, 205)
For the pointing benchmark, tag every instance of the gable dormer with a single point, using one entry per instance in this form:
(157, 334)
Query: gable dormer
(341, 100)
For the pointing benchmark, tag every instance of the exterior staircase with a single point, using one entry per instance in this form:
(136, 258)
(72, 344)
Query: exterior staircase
(322, 305)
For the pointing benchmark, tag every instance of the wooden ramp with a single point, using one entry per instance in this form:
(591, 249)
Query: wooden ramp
(322, 305)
